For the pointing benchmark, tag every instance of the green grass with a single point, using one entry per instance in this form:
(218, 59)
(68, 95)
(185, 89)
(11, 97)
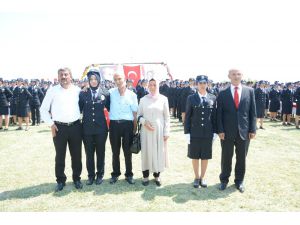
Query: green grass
(272, 180)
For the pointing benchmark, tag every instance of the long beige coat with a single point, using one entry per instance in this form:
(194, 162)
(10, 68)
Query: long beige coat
(154, 148)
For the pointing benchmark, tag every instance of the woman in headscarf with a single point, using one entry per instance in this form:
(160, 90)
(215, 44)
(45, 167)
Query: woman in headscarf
(153, 114)
(92, 102)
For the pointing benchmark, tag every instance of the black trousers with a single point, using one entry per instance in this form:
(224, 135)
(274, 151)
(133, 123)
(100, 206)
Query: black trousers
(95, 143)
(71, 135)
(146, 174)
(121, 132)
(35, 114)
(241, 150)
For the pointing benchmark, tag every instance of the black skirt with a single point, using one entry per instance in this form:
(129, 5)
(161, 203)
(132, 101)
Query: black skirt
(274, 105)
(200, 148)
(4, 110)
(23, 111)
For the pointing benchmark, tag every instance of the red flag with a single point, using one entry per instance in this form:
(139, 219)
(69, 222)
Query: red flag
(133, 73)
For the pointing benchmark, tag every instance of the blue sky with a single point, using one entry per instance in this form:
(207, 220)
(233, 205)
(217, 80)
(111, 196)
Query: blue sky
(193, 37)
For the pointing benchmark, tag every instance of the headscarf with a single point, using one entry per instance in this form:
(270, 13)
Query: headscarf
(156, 93)
(97, 75)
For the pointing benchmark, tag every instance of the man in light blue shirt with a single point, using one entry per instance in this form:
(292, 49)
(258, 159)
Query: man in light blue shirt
(122, 114)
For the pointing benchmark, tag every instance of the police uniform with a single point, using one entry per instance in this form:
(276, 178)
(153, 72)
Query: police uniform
(142, 91)
(274, 96)
(297, 100)
(287, 101)
(35, 103)
(5, 95)
(23, 96)
(95, 130)
(260, 101)
(200, 123)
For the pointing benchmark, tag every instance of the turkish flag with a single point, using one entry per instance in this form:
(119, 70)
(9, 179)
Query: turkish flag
(133, 73)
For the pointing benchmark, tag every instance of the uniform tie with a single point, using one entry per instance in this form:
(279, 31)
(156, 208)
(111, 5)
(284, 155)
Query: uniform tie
(94, 94)
(236, 97)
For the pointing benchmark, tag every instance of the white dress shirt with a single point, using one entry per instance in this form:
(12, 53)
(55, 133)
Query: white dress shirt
(61, 105)
(232, 88)
(200, 96)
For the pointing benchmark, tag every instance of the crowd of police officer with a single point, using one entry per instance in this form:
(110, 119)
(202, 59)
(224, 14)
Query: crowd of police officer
(20, 99)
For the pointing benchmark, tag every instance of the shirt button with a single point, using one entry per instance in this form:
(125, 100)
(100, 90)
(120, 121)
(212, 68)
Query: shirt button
(202, 118)
(93, 103)
(202, 112)
(203, 107)
(92, 108)
(93, 120)
(93, 114)
(202, 124)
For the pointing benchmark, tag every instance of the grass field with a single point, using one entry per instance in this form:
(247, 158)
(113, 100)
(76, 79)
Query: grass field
(272, 178)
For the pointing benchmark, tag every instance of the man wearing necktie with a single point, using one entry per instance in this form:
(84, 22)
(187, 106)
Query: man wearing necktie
(236, 124)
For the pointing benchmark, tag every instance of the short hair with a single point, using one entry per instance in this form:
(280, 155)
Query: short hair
(64, 69)
(119, 71)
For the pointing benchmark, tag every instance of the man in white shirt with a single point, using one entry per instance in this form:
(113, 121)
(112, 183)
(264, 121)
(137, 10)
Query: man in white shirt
(60, 110)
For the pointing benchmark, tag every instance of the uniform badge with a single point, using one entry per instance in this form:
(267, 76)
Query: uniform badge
(102, 97)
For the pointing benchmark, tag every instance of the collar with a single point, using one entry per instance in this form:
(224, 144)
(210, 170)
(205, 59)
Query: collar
(239, 87)
(202, 95)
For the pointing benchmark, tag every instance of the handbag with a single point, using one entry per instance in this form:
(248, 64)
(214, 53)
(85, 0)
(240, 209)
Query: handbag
(136, 142)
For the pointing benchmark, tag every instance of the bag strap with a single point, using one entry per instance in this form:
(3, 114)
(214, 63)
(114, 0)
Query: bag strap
(138, 124)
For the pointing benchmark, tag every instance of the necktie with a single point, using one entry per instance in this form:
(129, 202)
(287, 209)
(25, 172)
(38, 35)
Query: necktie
(94, 94)
(203, 100)
(236, 97)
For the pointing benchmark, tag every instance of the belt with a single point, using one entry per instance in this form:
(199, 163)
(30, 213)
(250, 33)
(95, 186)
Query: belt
(67, 124)
(121, 121)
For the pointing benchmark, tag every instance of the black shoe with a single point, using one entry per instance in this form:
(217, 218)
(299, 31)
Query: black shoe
(99, 180)
(196, 183)
(90, 181)
(284, 124)
(130, 180)
(145, 182)
(5, 129)
(113, 180)
(222, 186)
(203, 183)
(158, 182)
(289, 124)
(32, 124)
(240, 187)
(59, 187)
(261, 128)
(19, 128)
(1, 128)
(78, 184)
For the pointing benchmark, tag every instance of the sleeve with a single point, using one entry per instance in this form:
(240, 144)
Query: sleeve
(252, 113)
(134, 106)
(188, 116)
(166, 117)
(140, 113)
(220, 128)
(214, 116)
(46, 106)
(81, 101)
(9, 93)
(28, 93)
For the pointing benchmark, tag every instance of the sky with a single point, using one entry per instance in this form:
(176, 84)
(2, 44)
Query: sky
(261, 38)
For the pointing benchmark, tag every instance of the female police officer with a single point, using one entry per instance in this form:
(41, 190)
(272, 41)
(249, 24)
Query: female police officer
(199, 128)
(92, 102)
